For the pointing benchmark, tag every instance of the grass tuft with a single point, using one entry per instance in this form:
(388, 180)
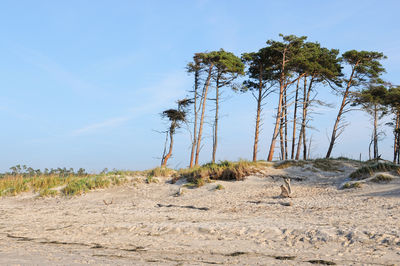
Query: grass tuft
(351, 185)
(219, 187)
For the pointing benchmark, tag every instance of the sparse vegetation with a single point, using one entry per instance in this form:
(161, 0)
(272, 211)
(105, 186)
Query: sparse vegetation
(326, 165)
(290, 163)
(160, 171)
(351, 185)
(370, 169)
(224, 170)
(219, 187)
(382, 178)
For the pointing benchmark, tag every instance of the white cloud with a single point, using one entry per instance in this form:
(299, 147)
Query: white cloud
(159, 95)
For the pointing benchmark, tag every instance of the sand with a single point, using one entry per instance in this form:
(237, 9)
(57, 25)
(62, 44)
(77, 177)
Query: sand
(246, 223)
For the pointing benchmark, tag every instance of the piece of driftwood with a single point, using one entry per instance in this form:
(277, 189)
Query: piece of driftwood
(179, 192)
(286, 189)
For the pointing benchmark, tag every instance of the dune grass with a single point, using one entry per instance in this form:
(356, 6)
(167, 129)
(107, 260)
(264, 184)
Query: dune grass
(327, 165)
(290, 163)
(45, 185)
(371, 168)
(382, 178)
(351, 185)
(224, 170)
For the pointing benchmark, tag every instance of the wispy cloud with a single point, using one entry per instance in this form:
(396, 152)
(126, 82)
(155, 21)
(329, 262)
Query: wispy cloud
(56, 70)
(156, 97)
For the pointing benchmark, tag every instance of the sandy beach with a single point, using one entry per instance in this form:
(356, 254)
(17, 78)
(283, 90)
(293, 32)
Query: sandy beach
(245, 223)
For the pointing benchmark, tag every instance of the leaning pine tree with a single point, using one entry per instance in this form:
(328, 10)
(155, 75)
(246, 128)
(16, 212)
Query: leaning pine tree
(364, 67)
(176, 118)
(260, 83)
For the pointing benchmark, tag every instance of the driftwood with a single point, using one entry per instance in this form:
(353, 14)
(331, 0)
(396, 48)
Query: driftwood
(108, 203)
(286, 189)
(179, 192)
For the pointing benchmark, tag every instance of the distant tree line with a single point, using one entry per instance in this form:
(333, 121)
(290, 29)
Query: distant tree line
(25, 171)
(297, 70)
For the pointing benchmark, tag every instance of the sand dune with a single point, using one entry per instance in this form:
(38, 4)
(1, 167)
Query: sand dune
(244, 223)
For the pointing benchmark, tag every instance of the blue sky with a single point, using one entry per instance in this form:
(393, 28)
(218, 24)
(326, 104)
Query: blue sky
(83, 82)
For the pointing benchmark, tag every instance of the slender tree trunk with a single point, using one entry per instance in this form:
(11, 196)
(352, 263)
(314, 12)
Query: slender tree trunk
(194, 141)
(294, 119)
(396, 144)
(303, 119)
(165, 148)
(375, 133)
(339, 115)
(171, 144)
(215, 135)
(282, 146)
(258, 116)
(279, 111)
(198, 146)
(286, 125)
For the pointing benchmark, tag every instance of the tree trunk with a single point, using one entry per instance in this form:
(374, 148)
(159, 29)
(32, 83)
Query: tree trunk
(339, 115)
(303, 119)
(396, 144)
(171, 144)
(281, 133)
(194, 141)
(294, 119)
(165, 147)
(279, 114)
(215, 135)
(258, 117)
(286, 125)
(375, 133)
(198, 146)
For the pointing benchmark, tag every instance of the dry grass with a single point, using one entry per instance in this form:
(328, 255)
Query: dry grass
(74, 185)
(326, 165)
(351, 185)
(370, 169)
(225, 170)
(382, 178)
(290, 163)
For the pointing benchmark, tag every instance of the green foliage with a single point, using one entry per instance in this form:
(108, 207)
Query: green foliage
(326, 165)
